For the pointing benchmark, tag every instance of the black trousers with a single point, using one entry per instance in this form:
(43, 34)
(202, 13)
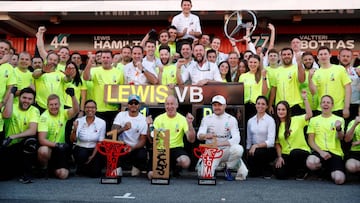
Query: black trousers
(295, 163)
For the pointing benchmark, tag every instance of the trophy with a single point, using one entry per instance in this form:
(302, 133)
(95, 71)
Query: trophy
(161, 157)
(113, 149)
(207, 153)
(237, 23)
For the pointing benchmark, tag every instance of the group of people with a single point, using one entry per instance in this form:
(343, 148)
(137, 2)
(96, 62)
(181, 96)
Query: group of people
(300, 114)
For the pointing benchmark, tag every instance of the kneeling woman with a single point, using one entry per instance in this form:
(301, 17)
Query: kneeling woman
(87, 132)
(291, 146)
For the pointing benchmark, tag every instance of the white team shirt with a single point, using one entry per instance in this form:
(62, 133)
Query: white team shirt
(138, 127)
(262, 130)
(224, 126)
(134, 76)
(220, 57)
(192, 23)
(196, 73)
(88, 135)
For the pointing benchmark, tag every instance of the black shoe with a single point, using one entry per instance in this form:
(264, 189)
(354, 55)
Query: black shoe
(44, 173)
(176, 172)
(25, 180)
(267, 174)
(301, 175)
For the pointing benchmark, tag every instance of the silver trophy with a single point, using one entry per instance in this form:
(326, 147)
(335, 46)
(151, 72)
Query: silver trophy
(237, 23)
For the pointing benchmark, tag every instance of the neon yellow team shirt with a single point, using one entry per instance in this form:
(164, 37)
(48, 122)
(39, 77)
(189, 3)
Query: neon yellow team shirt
(77, 89)
(89, 86)
(313, 99)
(296, 140)
(120, 67)
(251, 89)
(20, 121)
(331, 81)
(24, 79)
(7, 78)
(287, 85)
(47, 84)
(168, 75)
(325, 133)
(271, 75)
(177, 126)
(101, 77)
(172, 50)
(54, 125)
(356, 136)
(60, 67)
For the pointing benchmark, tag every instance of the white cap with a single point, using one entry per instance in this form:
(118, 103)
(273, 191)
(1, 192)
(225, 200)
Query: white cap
(218, 98)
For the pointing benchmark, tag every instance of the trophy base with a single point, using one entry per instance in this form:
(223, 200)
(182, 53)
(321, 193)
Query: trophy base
(107, 180)
(160, 181)
(207, 181)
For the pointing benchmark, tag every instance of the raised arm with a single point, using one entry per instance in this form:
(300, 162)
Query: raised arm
(308, 110)
(272, 36)
(40, 42)
(86, 73)
(301, 70)
(190, 134)
(350, 132)
(312, 86)
(75, 105)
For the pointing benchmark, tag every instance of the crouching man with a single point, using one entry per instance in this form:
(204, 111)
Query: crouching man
(223, 128)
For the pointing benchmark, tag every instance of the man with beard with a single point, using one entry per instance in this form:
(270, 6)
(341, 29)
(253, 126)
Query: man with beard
(296, 47)
(167, 70)
(63, 53)
(125, 57)
(331, 80)
(36, 63)
(201, 72)
(287, 84)
(345, 57)
(138, 72)
(18, 150)
(307, 62)
(53, 150)
(132, 128)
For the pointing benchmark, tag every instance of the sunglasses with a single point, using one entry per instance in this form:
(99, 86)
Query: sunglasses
(133, 103)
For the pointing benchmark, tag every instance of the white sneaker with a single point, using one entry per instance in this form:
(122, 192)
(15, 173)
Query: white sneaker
(135, 171)
(150, 175)
(118, 171)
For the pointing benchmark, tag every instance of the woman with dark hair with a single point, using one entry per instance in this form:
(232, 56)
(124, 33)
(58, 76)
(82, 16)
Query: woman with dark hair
(255, 84)
(80, 94)
(243, 68)
(224, 69)
(260, 140)
(78, 85)
(87, 132)
(291, 147)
